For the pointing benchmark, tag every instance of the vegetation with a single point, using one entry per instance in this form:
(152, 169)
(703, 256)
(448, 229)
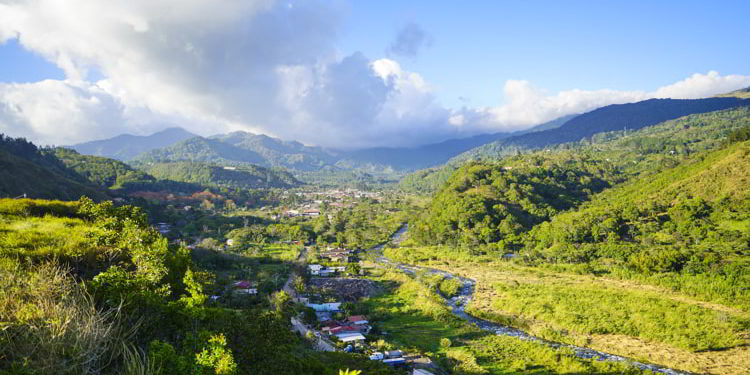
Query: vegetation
(616, 117)
(28, 170)
(103, 172)
(90, 288)
(249, 176)
(415, 317)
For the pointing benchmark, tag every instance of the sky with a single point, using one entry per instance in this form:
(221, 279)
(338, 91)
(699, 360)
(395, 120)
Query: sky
(351, 74)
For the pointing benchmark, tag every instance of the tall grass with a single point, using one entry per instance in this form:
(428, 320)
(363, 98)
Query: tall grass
(50, 325)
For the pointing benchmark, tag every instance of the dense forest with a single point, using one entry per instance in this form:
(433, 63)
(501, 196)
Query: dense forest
(27, 170)
(246, 176)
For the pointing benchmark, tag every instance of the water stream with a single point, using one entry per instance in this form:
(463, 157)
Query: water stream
(459, 303)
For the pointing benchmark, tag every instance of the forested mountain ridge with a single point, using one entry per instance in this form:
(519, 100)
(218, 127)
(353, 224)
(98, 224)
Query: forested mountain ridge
(125, 146)
(633, 151)
(243, 148)
(250, 177)
(104, 172)
(512, 195)
(25, 169)
(617, 117)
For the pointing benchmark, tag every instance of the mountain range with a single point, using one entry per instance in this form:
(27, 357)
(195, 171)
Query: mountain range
(126, 146)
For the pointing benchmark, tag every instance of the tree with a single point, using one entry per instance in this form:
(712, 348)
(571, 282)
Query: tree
(299, 284)
(350, 372)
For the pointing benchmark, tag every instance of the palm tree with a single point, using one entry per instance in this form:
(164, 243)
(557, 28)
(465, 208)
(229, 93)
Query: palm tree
(350, 372)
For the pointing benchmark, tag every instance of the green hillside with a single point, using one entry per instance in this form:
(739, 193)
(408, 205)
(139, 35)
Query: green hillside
(101, 171)
(632, 152)
(200, 149)
(691, 220)
(632, 116)
(246, 176)
(25, 169)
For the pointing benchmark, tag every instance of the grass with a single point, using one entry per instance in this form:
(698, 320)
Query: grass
(661, 325)
(414, 317)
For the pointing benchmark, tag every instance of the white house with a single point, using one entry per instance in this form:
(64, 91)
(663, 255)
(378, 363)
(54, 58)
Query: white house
(332, 306)
(350, 337)
(315, 269)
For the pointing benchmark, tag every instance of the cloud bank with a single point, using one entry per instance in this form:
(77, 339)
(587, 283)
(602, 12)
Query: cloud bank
(262, 66)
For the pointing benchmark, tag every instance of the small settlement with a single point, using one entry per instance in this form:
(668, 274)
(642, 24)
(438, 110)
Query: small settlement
(336, 328)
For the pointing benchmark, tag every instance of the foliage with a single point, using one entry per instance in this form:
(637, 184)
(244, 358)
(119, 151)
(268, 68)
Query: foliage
(487, 203)
(100, 171)
(28, 170)
(247, 176)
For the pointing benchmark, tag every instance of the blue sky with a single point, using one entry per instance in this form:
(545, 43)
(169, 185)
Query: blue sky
(352, 73)
(558, 45)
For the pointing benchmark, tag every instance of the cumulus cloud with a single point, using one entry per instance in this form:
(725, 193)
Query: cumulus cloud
(527, 105)
(409, 40)
(262, 66)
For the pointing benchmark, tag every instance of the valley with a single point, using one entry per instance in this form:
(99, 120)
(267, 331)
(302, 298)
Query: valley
(625, 252)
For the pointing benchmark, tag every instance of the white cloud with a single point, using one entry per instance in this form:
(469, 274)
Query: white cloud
(527, 106)
(58, 112)
(253, 65)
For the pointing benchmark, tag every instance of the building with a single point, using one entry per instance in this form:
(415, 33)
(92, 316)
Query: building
(419, 371)
(349, 337)
(325, 307)
(394, 354)
(357, 320)
(315, 269)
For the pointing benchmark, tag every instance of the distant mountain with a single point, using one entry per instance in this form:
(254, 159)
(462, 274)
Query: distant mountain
(247, 149)
(199, 149)
(125, 147)
(279, 153)
(632, 116)
(437, 153)
(249, 177)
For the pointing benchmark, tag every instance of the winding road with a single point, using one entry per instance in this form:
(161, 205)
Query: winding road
(465, 295)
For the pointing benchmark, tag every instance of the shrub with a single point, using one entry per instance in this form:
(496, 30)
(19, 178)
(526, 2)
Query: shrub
(445, 342)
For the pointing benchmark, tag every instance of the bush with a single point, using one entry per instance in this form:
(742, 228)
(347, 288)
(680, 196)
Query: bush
(445, 342)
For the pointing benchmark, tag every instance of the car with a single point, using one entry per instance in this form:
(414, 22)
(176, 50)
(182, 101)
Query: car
(377, 356)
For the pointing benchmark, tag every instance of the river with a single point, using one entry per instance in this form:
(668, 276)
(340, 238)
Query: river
(459, 303)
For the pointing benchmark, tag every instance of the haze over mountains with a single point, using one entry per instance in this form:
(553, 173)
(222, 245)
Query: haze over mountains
(247, 149)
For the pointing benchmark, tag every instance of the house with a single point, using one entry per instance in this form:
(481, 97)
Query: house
(357, 320)
(343, 329)
(325, 307)
(394, 354)
(351, 337)
(315, 269)
(243, 284)
(311, 213)
(246, 291)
